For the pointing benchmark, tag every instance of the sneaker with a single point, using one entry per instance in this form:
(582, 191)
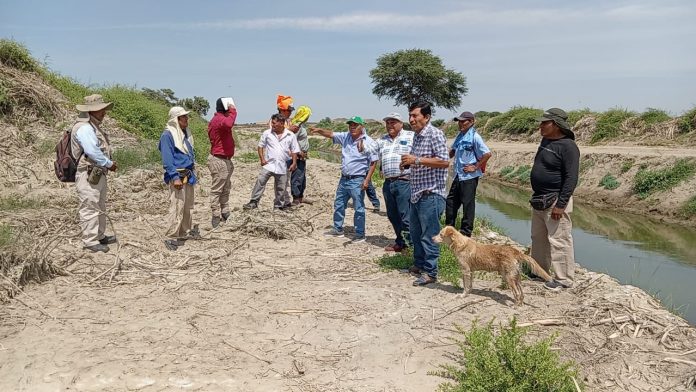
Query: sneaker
(250, 205)
(423, 280)
(334, 233)
(215, 222)
(358, 240)
(412, 270)
(554, 285)
(225, 216)
(394, 248)
(108, 239)
(97, 248)
(171, 244)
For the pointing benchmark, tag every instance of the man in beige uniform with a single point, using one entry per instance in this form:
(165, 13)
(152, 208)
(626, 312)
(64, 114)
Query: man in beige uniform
(90, 146)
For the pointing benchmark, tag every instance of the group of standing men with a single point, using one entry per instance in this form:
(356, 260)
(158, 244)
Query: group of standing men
(414, 163)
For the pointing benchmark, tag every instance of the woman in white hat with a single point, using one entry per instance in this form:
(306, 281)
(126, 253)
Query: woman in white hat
(176, 147)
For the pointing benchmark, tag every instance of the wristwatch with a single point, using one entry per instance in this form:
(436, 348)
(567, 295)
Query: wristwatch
(418, 161)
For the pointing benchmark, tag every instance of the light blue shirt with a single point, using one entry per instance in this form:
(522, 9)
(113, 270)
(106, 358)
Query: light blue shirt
(87, 137)
(353, 163)
(468, 149)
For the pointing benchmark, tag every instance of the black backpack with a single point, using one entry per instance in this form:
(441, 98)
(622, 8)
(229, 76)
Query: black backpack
(65, 164)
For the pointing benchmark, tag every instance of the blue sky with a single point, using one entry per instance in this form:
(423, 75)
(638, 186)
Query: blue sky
(540, 53)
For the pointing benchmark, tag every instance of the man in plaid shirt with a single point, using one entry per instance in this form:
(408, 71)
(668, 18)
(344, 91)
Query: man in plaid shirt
(428, 161)
(397, 188)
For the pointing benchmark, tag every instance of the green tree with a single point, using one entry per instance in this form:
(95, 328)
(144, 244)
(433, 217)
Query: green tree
(198, 104)
(417, 74)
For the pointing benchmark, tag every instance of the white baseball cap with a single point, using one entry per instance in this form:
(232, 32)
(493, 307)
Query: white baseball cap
(393, 115)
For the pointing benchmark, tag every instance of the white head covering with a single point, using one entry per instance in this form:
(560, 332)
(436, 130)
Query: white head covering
(177, 133)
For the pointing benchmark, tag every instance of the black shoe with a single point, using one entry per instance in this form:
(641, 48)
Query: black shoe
(215, 222)
(554, 285)
(225, 216)
(423, 280)
(250, 205)
(98, 248)
(108, 239)
(171, 244)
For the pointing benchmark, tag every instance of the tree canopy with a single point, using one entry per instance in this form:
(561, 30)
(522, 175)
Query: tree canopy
(417, 74)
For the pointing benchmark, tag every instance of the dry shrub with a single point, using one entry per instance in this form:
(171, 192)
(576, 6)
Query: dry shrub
(17, 269)
(26, 97)
(585, 128)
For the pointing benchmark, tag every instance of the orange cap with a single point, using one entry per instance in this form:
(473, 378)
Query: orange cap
(284, 102)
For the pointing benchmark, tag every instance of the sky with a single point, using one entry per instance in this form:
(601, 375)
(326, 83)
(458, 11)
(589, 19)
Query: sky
(538, 53)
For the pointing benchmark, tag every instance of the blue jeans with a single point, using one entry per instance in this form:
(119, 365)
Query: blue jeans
(396, 197)
(425, 223)
(350, 189)
(298, 179)
(372, 195)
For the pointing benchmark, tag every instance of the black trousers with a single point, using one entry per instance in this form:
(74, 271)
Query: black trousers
(462, 194)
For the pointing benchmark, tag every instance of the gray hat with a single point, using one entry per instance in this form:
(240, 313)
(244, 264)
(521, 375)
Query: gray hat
(94, 103)
(393, 115)
(464, 116)
(559, 117)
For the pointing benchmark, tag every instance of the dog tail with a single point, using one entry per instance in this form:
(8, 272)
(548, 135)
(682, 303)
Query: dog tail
(536, 268)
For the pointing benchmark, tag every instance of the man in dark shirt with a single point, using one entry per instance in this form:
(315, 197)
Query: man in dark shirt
(554, 177)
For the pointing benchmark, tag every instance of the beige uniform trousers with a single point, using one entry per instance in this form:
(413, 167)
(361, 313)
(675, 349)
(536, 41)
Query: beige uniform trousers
(221, 172)
(180, 205)
(552, 243)
(91, 208)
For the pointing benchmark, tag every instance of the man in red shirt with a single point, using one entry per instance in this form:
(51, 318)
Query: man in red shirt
(220, 158)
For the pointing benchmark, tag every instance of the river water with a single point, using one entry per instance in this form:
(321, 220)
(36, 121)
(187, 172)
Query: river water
(657, 257)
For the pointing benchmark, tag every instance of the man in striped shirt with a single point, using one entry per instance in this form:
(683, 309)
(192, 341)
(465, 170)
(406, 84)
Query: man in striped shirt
(397, 188)
(428, 162)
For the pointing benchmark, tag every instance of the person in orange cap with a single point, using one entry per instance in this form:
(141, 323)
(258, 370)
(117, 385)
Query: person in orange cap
(297, 179)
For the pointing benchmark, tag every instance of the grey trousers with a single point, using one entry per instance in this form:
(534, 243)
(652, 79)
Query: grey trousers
(552, 243)
(280, 183)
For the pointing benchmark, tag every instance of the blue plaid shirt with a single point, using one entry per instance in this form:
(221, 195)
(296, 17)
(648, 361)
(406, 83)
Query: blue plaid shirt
(390, 152)
(429, 143)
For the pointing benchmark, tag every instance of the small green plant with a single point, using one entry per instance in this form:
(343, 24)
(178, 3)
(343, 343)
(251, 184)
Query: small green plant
(377, 180)
(521, 174)
(627, 165)
(487, 361)
(689, 207)
(653, 116)
(17, 202)
(248, 157)
(485, 223)
(687, 121)
(517, 120)
(15, 55)
(5, 235)
(506, 170)
(647, 181)
(609, 182)
(609, 124)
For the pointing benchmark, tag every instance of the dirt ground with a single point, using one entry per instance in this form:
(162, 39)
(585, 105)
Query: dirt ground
(267, 303)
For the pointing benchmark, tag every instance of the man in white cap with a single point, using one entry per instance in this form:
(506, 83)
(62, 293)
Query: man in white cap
(90, 147)
(397, 187)
(176, 147)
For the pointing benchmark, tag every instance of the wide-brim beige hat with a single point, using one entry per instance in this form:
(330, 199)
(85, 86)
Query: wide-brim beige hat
(94, 103)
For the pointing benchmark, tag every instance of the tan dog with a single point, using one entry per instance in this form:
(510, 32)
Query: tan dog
(504, 259)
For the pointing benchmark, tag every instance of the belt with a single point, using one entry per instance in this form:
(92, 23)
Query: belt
(222, 156)
(397, 179)
(352, 177)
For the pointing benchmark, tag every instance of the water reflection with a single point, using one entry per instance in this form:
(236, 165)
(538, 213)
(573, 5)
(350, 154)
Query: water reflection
(659, 258)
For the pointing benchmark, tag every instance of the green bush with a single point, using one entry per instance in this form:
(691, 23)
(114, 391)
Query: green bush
(609, 124)
(17, 202)
(73, 91)
(689, 208)
(507, 170)
(609, 182)
(576, 115)
(517, 120)
(653, 116)
(647, 181)
(147, 156)
(15, 55)
(687, 122)
(5, 235)
(627, 165)
(487, 361)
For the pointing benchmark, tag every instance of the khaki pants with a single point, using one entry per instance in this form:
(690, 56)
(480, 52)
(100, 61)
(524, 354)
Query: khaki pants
(180, 205)
(280, 182)
(92, 208)
(552, 243)
(221, 172)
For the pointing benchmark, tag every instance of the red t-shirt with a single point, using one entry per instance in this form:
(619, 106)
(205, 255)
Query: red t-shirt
(220, 134)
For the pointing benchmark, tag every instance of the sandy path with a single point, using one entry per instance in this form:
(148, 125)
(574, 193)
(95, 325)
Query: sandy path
(622, 150)
(242, 314)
